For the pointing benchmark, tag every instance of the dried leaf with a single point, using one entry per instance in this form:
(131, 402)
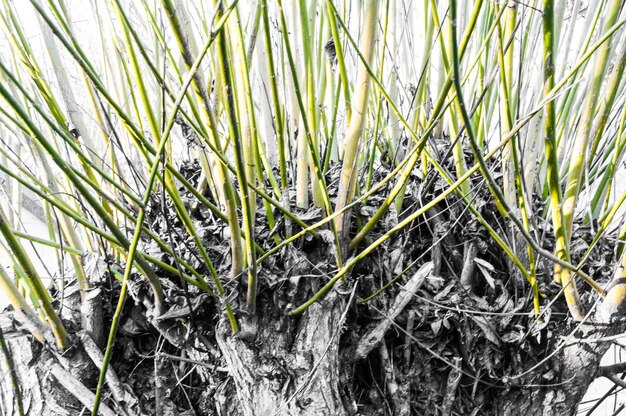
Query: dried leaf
(311, 214)
(486, 267)
(436, 326)
(484, 324)
(512, 337)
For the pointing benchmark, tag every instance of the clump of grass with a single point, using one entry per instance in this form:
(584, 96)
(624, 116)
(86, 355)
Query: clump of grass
(275, 115)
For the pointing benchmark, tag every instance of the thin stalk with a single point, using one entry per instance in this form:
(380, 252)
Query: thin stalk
(48, 243)
(307, 130)
(616, 297)
(618, 152)
(278, 112)
(513, 188)
(349, 168)
(507, 104)
(580, 153)
(561, 275)
(603, 190)
(311, 106)
(220, 173)
(248, 215)
(341, 62)
(258, 167)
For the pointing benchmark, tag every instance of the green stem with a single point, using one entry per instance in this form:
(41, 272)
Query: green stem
(248, 216)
